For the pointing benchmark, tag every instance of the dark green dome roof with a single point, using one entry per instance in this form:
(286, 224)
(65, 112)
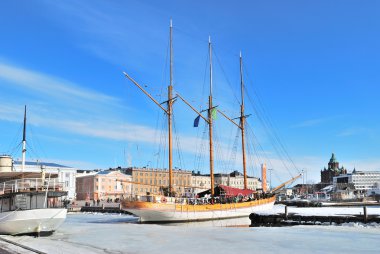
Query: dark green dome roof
(333, 159)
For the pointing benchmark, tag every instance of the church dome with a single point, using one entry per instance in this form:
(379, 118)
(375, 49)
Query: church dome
(333, 159)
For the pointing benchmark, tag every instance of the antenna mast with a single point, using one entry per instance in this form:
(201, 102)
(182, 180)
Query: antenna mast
(23, 143)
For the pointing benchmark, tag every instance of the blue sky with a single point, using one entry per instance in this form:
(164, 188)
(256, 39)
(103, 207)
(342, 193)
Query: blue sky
(311, 67)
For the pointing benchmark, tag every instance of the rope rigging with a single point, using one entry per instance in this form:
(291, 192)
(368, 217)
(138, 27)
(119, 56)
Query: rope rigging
(269, 161)
(233, 153)
(255, 149)
(178, 144)
(263, 117)
(200, 156)
(15, 143)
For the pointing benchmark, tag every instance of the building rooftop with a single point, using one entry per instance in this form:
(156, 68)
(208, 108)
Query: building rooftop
(40, 163)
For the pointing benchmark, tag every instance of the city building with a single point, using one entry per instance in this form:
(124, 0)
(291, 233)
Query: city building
(66, 175)
(199, 182)
(236, 180)
(103, 185)
(361, 181)
(156, 181)
(187, 183)
(332, 170)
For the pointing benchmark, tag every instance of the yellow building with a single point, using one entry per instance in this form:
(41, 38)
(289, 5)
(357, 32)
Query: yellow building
(103, 185)
(155, 180)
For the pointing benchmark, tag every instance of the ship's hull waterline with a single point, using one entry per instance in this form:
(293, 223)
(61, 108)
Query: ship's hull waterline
(166, 213)
(35, 221)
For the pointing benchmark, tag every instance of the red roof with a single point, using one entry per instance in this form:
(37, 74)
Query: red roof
(232, 192)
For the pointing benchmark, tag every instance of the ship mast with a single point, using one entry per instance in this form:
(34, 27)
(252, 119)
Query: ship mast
(170, 112)
(23, 143)
(242, 123)
(208, 120)
(210, 109)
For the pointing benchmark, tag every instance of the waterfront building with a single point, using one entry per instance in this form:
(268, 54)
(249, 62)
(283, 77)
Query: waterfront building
(361, 181)
(236, 180)
(332, 170)
(186, 183)
(286, 192)
(103, 185)
(200, 182)
(66, 175)
(155, 181)
(303, 189)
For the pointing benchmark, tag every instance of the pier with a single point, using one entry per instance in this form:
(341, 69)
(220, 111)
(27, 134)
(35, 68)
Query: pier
(98, 209)
(291, 219)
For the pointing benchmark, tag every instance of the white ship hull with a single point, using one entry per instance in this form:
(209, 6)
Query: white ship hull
(177, 213)
(34, 221)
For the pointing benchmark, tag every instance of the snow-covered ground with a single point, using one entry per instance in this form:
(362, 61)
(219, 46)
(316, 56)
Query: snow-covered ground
(105, 233)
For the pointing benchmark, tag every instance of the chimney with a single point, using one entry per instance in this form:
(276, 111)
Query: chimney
(264, 177)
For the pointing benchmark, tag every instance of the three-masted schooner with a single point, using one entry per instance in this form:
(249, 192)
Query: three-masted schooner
(153, 208)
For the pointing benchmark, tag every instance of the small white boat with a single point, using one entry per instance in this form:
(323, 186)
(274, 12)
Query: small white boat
(30, 202)
(30, 205)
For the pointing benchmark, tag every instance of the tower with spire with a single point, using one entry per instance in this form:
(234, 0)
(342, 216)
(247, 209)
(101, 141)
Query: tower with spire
(332, 170)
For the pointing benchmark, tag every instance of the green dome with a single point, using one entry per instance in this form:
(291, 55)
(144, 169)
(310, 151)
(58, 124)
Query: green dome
(333, 159)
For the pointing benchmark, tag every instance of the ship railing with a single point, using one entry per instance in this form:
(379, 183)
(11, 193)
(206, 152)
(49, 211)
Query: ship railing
(30, 184)
(192, 200)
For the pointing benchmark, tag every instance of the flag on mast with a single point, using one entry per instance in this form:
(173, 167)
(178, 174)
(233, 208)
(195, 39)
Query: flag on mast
(213, 113)
(196, 121)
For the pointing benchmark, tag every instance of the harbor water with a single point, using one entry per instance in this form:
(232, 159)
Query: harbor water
(120, 233)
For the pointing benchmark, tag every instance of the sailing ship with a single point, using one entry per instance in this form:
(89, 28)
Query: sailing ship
(30, 202)
(224, 201)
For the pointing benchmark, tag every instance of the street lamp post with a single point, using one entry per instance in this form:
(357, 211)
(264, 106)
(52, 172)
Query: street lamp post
(270, 178)
(304, 171)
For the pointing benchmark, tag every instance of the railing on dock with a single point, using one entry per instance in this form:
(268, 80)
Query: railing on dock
(100, 209)
(30, 184)
(290, 219)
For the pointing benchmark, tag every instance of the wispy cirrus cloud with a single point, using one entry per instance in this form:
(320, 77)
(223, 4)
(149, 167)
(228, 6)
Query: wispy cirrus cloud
(49, 85)
(312, 122)
(354, 131)
(81, 111)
